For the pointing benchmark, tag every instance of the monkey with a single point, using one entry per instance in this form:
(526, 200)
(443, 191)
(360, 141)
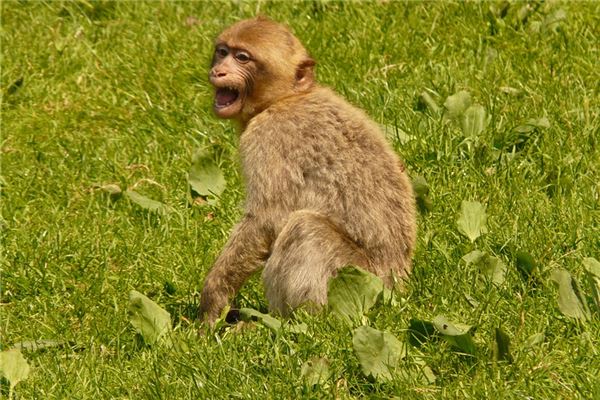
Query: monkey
(323, 188)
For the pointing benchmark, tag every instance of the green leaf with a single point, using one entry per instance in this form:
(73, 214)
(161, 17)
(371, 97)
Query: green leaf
(40, 344)
(471, 300)
(12, 89)
(592, 269)
(205, 177)
(472, 219)
(248, 314)
(147, 203)
(421, 189)
(425, 370)
(495, 268)
(420, 331)
(474, 257)
(473, 121)
(553, 20)
(592, 266)
(458, 337)
(315, 371)
(490, 266)
(392, 132)
(113, 190)
(458, 103)
(352, 293)
(13, 367)
(429, 102)
(533, 340)
(570, 301)
(502, 346)
(526, 264)
(532, 124)
(378, 352)
(148, 318)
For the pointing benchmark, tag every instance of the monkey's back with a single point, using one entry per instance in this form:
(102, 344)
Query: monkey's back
(322, 154)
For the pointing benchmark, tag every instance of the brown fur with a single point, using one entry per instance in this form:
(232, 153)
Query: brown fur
(324, 189)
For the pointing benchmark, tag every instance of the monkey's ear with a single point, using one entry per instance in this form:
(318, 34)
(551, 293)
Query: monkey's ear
(305, 76)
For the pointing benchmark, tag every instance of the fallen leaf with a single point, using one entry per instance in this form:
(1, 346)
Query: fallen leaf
(534, 340)
(352, 293)
(473, 121)
(14, 368)
(502, 346)
(146, 203)
(248, 314)
(472, 220)
(457, 103)
(490, 266)
(315, 371)
(378, 352)
(150, 320)
(592, 268)
(459, 337)
(570, 301)
(205, 177)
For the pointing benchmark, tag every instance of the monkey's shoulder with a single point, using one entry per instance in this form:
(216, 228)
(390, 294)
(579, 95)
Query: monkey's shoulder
(319, 113)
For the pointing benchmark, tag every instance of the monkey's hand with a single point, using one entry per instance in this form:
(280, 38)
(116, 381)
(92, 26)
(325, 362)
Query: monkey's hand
(213, 300)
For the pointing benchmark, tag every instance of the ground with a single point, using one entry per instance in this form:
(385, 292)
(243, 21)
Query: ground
(101, 93)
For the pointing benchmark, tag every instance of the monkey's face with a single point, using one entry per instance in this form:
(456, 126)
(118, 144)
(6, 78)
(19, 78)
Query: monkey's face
(232, 75)
(256, 63)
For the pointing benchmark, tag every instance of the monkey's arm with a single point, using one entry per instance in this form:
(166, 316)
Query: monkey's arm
(245, 252)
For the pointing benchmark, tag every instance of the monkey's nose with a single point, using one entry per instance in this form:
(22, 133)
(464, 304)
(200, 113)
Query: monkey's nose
(218, 74)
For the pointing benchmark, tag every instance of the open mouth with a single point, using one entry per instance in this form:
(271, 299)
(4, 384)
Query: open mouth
(224, 97)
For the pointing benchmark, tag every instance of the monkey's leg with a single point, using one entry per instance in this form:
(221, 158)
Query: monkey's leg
(308, 251)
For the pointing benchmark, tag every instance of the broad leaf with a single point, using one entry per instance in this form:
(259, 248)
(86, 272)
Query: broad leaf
(148, 318)
(472, 220)
(147, 203)
(526, 264)
(458, 103)
(570, 301)
(473, 121)
(249, 314)
(592, 268)
(533, 340)
(315, 371)
(393, 133)
(421, 189)
(420, 331)
(205, 177)
(502, 346)
(13, 367)
(457, 337)
(474, 257)
(40, 344)
(490, 266)
(425, 370)
(378, 352)
(113, 190)
(495, 269)
(532, 124)
(553, 20)
(471, 300)
(352, 293)
(429, 103)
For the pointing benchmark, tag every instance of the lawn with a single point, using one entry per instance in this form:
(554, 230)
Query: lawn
(494, 107)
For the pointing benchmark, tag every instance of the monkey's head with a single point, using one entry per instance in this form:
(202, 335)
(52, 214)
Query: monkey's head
(256, 63)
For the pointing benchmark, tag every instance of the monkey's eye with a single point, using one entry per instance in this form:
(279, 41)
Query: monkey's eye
(221, 52)
(242, 57)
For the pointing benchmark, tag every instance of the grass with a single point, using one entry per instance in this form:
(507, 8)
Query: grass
(97, 93)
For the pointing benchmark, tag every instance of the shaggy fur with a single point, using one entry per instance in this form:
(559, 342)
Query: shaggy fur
(324, 190)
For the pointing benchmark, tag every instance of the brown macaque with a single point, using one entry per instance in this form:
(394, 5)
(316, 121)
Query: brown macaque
(323, 187)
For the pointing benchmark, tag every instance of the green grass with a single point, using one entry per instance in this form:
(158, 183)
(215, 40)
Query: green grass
(117, 93)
